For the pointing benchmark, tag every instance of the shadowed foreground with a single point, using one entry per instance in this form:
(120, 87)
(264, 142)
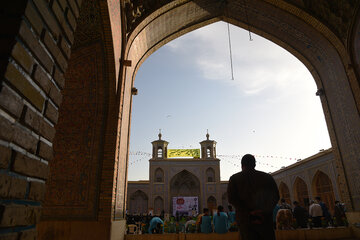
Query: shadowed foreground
(301, 234)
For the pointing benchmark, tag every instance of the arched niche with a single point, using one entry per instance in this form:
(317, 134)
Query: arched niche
(284, 192)
(158, 205)
(184, 184)
(301, 193)
(138, 203)
(159, 175)
(211, 203)
(210, 175)
(322, 187)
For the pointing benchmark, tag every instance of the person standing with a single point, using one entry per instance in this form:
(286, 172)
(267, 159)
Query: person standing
(339, 213)
(325, 210)
(254, 194)
(315, 213)
(300, 214)
(221, 222)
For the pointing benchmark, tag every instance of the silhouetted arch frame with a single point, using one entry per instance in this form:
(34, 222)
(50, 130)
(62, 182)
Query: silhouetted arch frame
(315, 45)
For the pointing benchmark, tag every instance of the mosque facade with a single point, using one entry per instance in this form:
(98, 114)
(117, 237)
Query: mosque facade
(171, 178)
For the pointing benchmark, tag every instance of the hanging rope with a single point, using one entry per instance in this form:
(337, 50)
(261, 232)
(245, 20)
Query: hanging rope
(231, 61)
(247, 20)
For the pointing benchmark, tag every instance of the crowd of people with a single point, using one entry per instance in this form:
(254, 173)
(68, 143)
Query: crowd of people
(285, 217)
(206, 222)
(255, 196)
(316, 215)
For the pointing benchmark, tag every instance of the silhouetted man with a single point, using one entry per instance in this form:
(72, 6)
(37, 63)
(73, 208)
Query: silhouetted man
(254, 195)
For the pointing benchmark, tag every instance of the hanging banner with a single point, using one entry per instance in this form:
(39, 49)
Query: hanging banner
(187, 206)
(174, 153)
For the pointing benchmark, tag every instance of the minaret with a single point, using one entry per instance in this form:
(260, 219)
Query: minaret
(208, 148)
(159, 148)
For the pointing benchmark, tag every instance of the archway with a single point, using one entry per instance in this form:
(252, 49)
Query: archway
(317, 47)
(322, 187)
(301, 193)
(184, 184)
(139, 203)
(306, 30)
(284, 192)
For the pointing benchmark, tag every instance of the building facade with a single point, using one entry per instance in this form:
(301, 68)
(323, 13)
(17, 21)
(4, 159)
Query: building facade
(314, 176)
(178, 177)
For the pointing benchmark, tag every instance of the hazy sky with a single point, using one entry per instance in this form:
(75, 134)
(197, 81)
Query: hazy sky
(269, 109)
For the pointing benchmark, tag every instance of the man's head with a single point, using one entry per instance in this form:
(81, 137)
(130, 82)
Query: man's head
(248, 162)
(206, 210)
(296, 203)
(230, 208)
(282, 200)
(318, 199)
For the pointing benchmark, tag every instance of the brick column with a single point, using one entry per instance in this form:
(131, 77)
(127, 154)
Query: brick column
(35, 48)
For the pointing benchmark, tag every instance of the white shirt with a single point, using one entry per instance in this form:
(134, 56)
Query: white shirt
(315, 210)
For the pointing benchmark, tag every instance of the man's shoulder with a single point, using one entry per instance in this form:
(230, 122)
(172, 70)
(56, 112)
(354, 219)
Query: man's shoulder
(260, 173)
(236, 176)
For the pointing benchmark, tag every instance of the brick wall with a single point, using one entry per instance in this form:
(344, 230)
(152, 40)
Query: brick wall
(34, 55)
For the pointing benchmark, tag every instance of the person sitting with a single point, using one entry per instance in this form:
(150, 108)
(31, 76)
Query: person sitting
(190, 222)
(156, 225)
(221, 221)
(205, 222)
(231, 215)
(284, 216)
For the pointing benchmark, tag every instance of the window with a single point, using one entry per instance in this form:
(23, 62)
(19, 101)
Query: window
(160, 152)
(208, 152)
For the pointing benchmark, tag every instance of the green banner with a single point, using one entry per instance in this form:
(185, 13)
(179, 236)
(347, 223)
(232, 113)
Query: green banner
(174, 153)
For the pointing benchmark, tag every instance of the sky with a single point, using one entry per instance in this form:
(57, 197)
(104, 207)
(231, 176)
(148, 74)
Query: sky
(269, 110)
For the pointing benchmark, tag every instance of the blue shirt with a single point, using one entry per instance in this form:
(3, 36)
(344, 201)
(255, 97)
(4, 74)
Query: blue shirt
(231, 217)
(221, 223)
(153, 222)
(205, 225)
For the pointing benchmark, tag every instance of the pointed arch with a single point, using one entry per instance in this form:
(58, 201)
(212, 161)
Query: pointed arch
(301, 193)
(184, 184)
(138, 202)
(322, 187)
(210, 175)
(158, 205)
(284, 192)
(159, 175)
(211, 203)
